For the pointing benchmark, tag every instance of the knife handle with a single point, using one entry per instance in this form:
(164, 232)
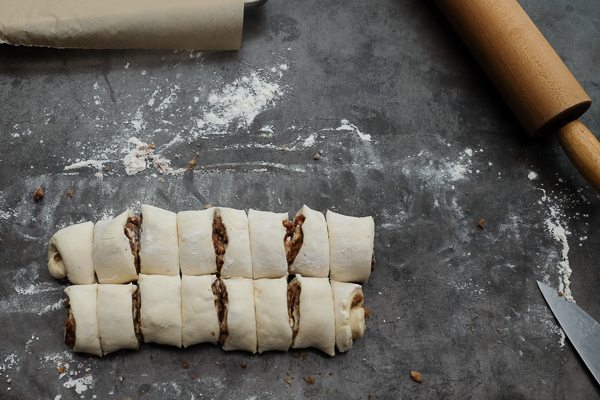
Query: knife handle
(583, 149)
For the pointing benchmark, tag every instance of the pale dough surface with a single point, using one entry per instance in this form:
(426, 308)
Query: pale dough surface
(267, 235)
(83, 301)
(350, 247)
(317, 320)
(272, 322)
(237, 262)
(313, 258)
(75, 244)
(196, 250)
(113, 260)
(199, 314)
(160, 315)
(159, 244)
(343, 294)
(241, 317)
(115, 317)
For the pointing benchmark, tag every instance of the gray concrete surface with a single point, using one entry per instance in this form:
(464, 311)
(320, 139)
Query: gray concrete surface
(453, 301)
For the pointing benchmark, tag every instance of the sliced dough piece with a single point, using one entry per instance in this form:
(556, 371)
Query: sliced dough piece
(70, 254)
(81, 328)
(198, 311)
(310, 231)
(312, 314)
(272, 320)
(160, 314)
(241, 317)
(348, 301)
(116, 248)
(159, 245)
(237, 260)
(351, 242)
(196, 250)
(267, 234)
(116, 317)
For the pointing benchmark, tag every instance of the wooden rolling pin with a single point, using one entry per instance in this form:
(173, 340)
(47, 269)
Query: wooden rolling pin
(535, 83)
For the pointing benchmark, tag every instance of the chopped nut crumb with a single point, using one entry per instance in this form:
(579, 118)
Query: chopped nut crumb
(218, 362)
(193, 376)
(178, 156)
(327, 390)
(122, 378)
(192, 164)
(369, 396)
(107, 169)
(331, 373)
(561, 294)
(417, 377)
(71, 193)
(39, 193)
(161, 180)
(8, 380)
(186, 365)
(207, 206)
(283, 148)
(0, 240)
(288, 381)
(499, 330)
(320, 151)
(151, 145)
(244, 366)
(372, 366)
(316, 157)
(62, 369)
(480, 223)
(310, 380)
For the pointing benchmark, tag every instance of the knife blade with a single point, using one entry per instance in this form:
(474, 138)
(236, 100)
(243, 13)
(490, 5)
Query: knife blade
(581, 329)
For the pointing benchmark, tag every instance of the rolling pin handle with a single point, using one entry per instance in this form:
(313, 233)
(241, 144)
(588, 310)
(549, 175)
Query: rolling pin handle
(583, 149)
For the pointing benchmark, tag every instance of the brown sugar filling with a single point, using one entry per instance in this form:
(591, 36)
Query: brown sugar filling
(357, 300)
(132, 232)
(57, 257)
(294, 238)
(69, 325)
(367, 313)
(221, 303)
(136, 304)
(293, 302)
(373, 262)
(220, 241)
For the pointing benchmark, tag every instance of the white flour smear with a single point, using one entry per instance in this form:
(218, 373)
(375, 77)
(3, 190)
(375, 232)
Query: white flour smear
(558, 232)
(347, 126)
(143, 155)
(238, 102)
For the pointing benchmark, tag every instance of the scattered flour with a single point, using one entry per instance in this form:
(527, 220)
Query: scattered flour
(138, 158)
(80, 384)
(558, 232)
(9, 363)
(532, 175)
(88, 163)
(309, 141)
(347, 126)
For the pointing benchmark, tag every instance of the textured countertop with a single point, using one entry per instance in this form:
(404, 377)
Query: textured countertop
(412, 133)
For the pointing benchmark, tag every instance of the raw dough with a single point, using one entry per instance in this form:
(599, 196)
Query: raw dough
(70, 254)
(313, 258)
(115, 317)
(238, 259)
(200, 321)
(350, 247)
(159, 245)
(160, 316)
(113, 260)
(83, 300)
(349, 322)
(317, 320)
(267, 235)
(196, 250)
(272, 322)
(241, 317)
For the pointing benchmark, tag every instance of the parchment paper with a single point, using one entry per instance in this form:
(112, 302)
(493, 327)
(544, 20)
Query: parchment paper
(123, 24)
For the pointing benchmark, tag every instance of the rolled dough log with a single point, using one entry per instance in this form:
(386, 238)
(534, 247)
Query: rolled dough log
(160, 315)
(114, 261)
(241, 317)
(83, 302)
(317, 320)
(159, 244)
(196, 250)
(199, 314)
(267, 235)
(238, 259)
(115, 317)
(70, 254)
(313, 258)
(351, 242)
(272, 321)
(349, 321)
